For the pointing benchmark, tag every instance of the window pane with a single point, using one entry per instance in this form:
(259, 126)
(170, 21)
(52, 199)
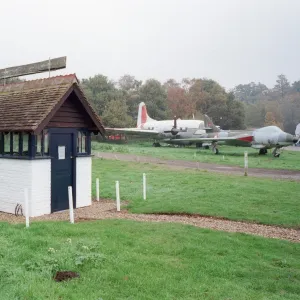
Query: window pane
(46, 142)
(39, 145)
(83, 148)
(79, 142)
(25, 144)
(7, 143)
(15, 143)
(1, 143)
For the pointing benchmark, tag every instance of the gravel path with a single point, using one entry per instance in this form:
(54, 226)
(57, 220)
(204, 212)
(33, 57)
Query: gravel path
(183, 164)
(106, 209)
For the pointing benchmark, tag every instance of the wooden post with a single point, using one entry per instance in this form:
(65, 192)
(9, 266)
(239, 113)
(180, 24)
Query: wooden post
(118, 196)
(97, 189)
(70, 192)
(26, 202)
(246, 163)
(35, 68)
(144, 186)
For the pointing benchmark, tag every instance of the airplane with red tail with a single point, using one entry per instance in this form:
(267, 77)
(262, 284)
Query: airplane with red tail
(159, 130)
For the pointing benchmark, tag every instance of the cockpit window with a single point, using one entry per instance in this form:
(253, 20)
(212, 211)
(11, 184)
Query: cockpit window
(270, 129)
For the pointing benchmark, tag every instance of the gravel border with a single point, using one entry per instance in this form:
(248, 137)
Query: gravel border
(106, 209)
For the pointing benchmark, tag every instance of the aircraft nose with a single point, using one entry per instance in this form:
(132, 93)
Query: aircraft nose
(290, 138)
(286, 137)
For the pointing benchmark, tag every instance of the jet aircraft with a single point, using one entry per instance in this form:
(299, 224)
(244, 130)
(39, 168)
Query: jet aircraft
(263, 138)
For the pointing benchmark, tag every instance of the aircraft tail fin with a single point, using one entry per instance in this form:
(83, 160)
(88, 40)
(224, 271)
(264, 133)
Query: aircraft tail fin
(143, 115)
(209, 125)
(297, 130)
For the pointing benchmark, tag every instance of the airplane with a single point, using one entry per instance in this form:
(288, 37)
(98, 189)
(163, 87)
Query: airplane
(297, 134)
(263, 138)
(160, 130)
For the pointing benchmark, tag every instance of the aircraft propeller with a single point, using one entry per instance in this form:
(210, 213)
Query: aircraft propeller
(174, 130)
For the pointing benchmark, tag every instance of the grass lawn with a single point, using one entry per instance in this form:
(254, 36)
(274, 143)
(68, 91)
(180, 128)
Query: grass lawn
(288, 160)
(131, 260)
(191, 191)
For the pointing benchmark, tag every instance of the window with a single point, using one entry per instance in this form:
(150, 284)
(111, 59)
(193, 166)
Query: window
(15, 143)
(82, 142)
(46, 142)
(19, 144)
(42, 144)
(25, 144)
(6, 143)
(10, 143)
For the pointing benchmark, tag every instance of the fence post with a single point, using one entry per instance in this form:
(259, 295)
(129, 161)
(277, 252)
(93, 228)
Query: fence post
(246, 163)
(144, 186)
(118, 195)
(26, 202)
(70, 193)
(97, 189)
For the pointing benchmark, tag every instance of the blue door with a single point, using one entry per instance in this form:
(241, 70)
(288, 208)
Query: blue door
(62, 168)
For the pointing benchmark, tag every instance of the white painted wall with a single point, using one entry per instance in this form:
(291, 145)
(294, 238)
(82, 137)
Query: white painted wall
(17, 174)
(83, 181)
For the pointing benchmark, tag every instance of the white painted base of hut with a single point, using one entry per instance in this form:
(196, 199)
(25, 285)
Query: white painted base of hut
(18, 174)
(83, 181)
(35, 175)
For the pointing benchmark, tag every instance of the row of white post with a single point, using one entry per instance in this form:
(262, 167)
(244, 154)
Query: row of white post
(246, 163)
(118, 201)
(70, 194)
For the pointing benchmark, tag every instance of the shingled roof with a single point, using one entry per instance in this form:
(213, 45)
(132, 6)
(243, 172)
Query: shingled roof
(28, 106)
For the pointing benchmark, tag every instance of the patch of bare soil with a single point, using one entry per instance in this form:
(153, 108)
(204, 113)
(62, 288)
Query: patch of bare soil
(183, 164)
(65, 275)
(106, 209)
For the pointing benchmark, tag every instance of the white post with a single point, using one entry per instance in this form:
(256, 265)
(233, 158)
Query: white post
(97, 189)
(70, 192)
(118, 195)
(144, 186)
(246, 163)
(26, 207)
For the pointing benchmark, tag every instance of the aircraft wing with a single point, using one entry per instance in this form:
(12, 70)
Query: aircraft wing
(132, 131)
(242, 138)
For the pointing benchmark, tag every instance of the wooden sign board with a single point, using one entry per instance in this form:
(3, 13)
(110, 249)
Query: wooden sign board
(35, 68)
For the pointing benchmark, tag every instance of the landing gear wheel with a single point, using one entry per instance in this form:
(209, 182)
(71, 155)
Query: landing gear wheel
(206, 147)
(276, 152)
(215, 150)
(263, 151)
(156, 144)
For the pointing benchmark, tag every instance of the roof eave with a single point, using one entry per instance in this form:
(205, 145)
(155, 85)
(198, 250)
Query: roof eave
(92, 114)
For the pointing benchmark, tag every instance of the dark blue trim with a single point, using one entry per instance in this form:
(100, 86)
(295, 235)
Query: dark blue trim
(74, 133)
(88, 142)
(83, 155)
(8, 156)
(11, 143)
(31, 145)
(20, 143)
(42, 143)
(1, 142)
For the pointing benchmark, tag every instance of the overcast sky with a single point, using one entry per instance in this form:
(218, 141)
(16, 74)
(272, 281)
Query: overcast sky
(230, 41)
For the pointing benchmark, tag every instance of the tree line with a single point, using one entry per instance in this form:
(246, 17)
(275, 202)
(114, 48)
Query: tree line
(279, 105)
(251, 105)
(117, 102)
